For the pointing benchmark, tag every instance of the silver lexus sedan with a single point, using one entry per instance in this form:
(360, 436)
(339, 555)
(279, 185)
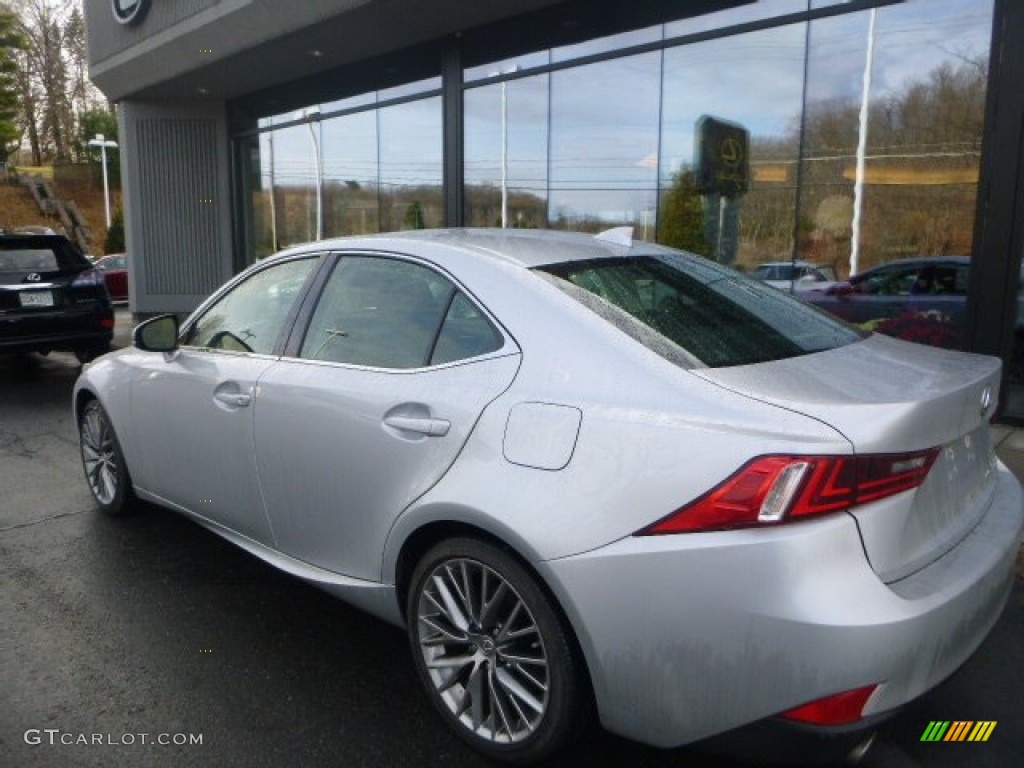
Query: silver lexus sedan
(594, 480)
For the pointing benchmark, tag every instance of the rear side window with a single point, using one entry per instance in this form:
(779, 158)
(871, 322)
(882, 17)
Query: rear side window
(387, 313)
(704, 311)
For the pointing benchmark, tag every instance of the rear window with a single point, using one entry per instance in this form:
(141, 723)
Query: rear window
(695, 310)
(775, 272)
(28, 260)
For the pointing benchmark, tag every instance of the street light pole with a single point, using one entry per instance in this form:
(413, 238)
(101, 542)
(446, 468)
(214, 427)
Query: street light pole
(312, 114)
(103, 143)
(504, 155)
(504, 142)
(862, 146)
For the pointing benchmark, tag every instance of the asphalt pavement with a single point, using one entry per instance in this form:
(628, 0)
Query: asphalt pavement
(119, 634)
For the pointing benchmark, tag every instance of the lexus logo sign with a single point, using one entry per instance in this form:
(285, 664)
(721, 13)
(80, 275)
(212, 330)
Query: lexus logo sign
(129, 11)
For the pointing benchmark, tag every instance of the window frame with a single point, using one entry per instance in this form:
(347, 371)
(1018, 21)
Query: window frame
(300, 327)
(305, 291)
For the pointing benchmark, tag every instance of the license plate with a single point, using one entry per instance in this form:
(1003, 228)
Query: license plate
(36, 298)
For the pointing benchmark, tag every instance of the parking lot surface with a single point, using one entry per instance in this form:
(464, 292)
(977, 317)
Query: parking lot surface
(119, 634)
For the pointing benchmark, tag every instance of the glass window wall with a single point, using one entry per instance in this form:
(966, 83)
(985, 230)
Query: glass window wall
(351, 172)
(604, 145)
(506, 136)
(410, 147)
(829, 143)
(892, 150)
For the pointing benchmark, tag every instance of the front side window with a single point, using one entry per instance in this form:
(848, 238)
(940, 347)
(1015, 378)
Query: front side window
(252, 315)
(386, 313)
(714, 315)
(896, 281)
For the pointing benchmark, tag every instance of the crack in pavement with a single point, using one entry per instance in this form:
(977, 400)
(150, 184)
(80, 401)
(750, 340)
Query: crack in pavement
(15, 445)
(50, 518)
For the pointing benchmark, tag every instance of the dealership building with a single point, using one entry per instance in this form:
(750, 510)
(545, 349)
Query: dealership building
(847, 133)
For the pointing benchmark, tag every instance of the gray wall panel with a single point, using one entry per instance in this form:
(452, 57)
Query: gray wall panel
(107, 37)
(178, 161)
(175, 183)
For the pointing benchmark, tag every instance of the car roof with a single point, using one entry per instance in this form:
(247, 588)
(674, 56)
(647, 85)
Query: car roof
(921, 261)
(527, 248)
(23, 240)
(797, 263)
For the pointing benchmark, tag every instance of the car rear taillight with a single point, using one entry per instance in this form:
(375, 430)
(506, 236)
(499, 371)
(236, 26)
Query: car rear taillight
(87, 278)
(778, 489)
(837, 709)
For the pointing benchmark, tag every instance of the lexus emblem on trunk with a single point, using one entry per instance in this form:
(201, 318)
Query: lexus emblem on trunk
(129, 11)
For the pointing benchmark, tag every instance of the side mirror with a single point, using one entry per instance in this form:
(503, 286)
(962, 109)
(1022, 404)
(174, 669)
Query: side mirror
(158, 334)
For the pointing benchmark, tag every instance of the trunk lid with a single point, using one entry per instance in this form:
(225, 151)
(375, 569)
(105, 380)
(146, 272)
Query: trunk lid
(889, 396)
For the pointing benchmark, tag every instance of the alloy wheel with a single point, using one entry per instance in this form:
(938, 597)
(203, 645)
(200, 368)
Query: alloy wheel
(99, 455)
(483, 651)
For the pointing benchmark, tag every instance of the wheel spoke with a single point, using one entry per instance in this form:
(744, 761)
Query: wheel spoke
(447, 633)
(475, 691)
(515, 688)
(496, 707)
(457, 592)
(519, 658)
(525, 673)
(109, 483)
(450, 607)
(506, 627)
(468, 592)
(522, 715)
(489, 611)
(445, 662)
(515, 634)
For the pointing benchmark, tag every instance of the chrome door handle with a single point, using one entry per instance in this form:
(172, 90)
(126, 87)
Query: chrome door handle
(235, 399)
(424, 426)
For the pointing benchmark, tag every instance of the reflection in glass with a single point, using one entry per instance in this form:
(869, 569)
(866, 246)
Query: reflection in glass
(295, 183)
(524, 61)
(350, 174)
(763, 9)
(922, 146)
(410, 142)
(526, 115)
(754, 81)
(410, 89)
(254, 154)
(604, 145)
(609, 43)
(351, 102)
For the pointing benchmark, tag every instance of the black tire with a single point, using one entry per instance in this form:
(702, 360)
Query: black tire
(103, 461)
(491, 701)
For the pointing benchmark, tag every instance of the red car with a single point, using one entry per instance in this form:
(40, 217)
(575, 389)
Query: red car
(115, 273)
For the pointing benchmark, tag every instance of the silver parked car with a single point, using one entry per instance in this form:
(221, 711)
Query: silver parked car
(587, 476)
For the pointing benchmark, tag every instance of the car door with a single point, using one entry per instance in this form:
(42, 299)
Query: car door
(393, 372)
(192, 410)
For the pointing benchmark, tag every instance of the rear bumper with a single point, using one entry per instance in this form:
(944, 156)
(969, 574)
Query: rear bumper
(66, 329)
(691, 635)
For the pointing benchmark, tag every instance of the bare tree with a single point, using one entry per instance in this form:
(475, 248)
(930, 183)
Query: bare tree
(53, 79)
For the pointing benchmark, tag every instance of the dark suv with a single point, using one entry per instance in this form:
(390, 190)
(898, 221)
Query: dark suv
(51, 298)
